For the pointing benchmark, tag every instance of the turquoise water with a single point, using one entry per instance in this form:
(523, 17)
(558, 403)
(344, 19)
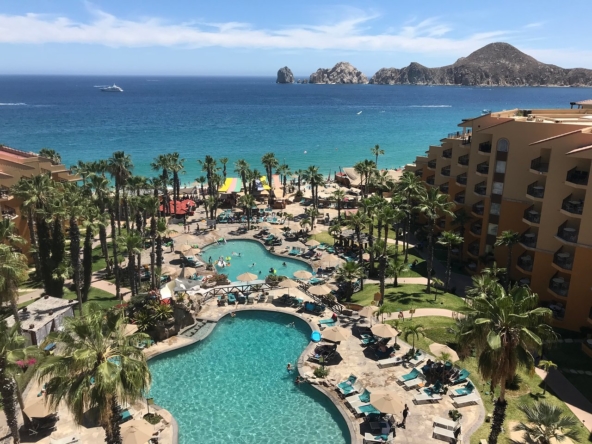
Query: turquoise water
(233, 387)
(252, 252)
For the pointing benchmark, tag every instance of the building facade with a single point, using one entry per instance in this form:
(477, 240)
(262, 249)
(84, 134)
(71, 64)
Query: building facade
(526, 171)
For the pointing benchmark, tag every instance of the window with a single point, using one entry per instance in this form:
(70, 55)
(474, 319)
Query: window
(503, 145)
(500, 166)
(495, 209)
(492, 229)
(498, 188)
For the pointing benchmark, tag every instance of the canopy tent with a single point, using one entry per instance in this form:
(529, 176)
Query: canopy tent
(231, 185)
(183, 207)
(275, 181)
(262, 184)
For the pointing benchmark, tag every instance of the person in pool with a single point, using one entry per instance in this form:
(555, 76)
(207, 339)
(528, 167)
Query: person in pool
(271, 270)
(289, 368)
(284, 264)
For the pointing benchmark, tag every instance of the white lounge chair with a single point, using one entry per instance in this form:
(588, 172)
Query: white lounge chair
(444, 423)
(369, 438)
(262, 297)
(413, 383)
(384, 363)
(416, 361)
(445, 434)
(353, 402)
(251, 299)
(356, 387)
(461, 401)
(426, 397)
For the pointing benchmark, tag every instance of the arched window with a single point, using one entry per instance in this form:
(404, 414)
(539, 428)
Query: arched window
(503, 145)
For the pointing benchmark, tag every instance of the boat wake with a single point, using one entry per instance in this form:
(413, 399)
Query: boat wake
(430, 106)
(13, 104)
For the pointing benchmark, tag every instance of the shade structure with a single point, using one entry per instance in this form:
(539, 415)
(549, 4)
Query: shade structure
(367, 311)
(302, 274)
(438, 349)
(319, 290)
(231, 185)
(136, 432)
(386, 402)
(313, 243)
(169, 271)
(183, 207)
(330, 260)
(38, 409)
(384, 331)
(288, 283)
(246, 277)
(336, 334)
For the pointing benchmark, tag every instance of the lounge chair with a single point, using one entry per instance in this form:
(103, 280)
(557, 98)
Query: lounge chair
(347, 389)
(251, 299)
(262, 297)
(371, 438)
(384, 363)
(231, 299)
(462, 377)
(409, 376)
(348, 382)
(413, 383)
(316, 281)
(368, 340)
(366, 409)
(427, 397)
(294, 251)
(466, 390)
(444, 423)
(419, 358)
(472, 398)
(445, 434)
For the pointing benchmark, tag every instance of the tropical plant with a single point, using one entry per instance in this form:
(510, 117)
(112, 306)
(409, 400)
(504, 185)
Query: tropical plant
(98, 367)
(224, 162)
(241, 167)
(365, 169)
(132, 243)
(338, 196)
(449, 240)
(546, 366)
(409, 187)
(358, 222)
(461, 219)
(415, 331)
(546, 423)
(376, 151)
(387, 309)
(284, 171)
(52, 155)
(14, 270)
(176, 165)
(508, 239)
(314, 179)
(9, 233)
(484, 286)
(120, 166)
(348, 273)
(394, 270)
(247, 202)
(270, 163)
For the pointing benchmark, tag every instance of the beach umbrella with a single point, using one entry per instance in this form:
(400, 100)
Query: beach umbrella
(313, 243)
(331, 260)
(386, 402)
(169, 271)
(438, 349)
(288, 283)
(136, 432)
(319, 290)
(367, 311)
(38, 409)
(246, 277)
(336, 334)
(302, 274)
(265, 225)
(384, 331)
(184, 248)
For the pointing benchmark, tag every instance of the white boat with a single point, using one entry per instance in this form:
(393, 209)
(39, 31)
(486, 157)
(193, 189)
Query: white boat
(485, 112)
(113, 88)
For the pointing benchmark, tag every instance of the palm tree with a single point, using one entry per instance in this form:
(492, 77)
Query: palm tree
(484, 286)
(358, 222)
(247, 201)
(176, 165)
(132, 243)
(338, 196)
(284, 171)
(52, 155)
(98, 367)
(120, 166)
(378, 252)
(90, 227)
(382, 181)
(547, 366)
(74, 207)
(505, 331)
(114, 240)
(314, 179)
(335, 232)
(546, 422)
(201, 180)
(14, 270)
(9, 234)
(241, 167)
(224, 161)
(508, 239)
(270, 163)
(151, 204)
(461, 219)
(394, 270)
(449, 240)
(348, 273)
(298, 174)
(208, 165)
(387, 309)
(365, 169)
(377, 152)
(409, 187)
(12, 352)
(433, 204)
(415, 331)
(162, 230)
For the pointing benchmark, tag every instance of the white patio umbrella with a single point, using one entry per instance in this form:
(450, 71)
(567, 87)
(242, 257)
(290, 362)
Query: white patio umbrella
(136, 432)
(384, 331)
(319, 290)
(331, 260)
(288, 283)
(438, 349)
(336, 334)
(313, 243)
(302, 274)
(386, 402)
(246, 277)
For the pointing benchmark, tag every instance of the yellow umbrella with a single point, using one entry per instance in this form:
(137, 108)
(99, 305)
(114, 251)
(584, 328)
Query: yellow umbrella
(136, 432)
(246, 277)
(302, 274)
(319, 290)
(384, 331)
(386, 402)
(438, 349)
(313, 243)
(336, 334)
(38, 409)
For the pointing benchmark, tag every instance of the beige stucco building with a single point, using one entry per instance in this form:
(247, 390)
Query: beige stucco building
(526, 171)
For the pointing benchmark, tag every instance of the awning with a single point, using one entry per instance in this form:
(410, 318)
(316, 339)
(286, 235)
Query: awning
(183, 207)
(262, 184)
(232, 185)
(276, 181)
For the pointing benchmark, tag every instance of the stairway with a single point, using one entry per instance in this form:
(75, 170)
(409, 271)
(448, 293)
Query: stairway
(192, 331)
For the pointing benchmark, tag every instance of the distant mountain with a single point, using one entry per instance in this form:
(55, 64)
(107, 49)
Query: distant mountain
(496, 64)
(343, 72)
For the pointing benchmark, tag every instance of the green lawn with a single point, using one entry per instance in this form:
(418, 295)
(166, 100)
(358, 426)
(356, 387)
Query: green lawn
(530, 389)
(102, 298)
(99, 260)
(409, 296)
(323, 237)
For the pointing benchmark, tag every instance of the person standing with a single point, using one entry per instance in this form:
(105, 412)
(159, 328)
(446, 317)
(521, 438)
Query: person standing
(405, 413)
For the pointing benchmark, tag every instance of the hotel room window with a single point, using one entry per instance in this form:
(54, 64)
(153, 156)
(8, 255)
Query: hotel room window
(495, 209)
(503, 145)
(500, 166)
(492, 229)
(498, 188)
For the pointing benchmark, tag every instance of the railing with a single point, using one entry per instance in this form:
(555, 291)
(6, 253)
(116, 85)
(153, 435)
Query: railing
(539, 165)
(473, 249)
(535, 190)
(447, 154)
(573, 206)
(432, 164)
(444, 188)
(577, 177)
(476, 229)
(568, 234)
(459, 198)
(478, 208)
(485, 147)
(532, 215)
(418, 173)
(525, 262)
(529, 240)
(481, 188)
(559, 285)
(483, 168)
(563, 260)
(461, 179)
(430, 180)
(463, 160)
(445, 171)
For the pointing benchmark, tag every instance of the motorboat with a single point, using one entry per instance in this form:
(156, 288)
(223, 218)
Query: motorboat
(113, 88)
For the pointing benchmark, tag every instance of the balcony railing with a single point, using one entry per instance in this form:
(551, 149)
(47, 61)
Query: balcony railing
(476, 229)
(461, 179)
(441, 223)
(559, 285)
(539, 165)
(485, 147)
(463, 160)
(479, 208)
(473, 249)
(532, 215)
(525, 262)
(563, 260)
(536, 190)
(445, 171)
(430, 180)
(529, 240)
(568, 234)
(573, 206)
(483, 168)
(447, 154)
(432, 164)
(481, 188)
(577, 177)
(444, 188)
(459, 198)
(419, 173)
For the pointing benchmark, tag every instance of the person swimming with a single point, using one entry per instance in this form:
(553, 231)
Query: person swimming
(284, 264)
(253, 264)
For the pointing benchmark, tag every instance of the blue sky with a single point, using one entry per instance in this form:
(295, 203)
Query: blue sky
(256, 37)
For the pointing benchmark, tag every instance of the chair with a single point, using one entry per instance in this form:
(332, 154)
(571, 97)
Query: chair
(427, 397)
(413, 383)
(466, 390)
(419, 358)
(349, 381)
(366, 409)
(370, 438)
(444, 423)
(368, 341)
(409, 376)
(231, 298)
(445, 434)
(384, 363)
(251, 299)
(461, 401)
(262, 297)
(347, 389)
(462, 377)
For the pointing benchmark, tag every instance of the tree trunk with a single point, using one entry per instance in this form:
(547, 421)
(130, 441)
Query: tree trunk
(508, 267)
(44, 254)
(115, 258)
(7, 391)
(448, 267)
(117, 208)
(430, 257)
(381, 276)
(406, 238)
(33, 240)
(75, 259)
(87, 262)
(498, 417)
(112, 423)
(153, 251)
(105, 249)
(159, 251)
(131, 258)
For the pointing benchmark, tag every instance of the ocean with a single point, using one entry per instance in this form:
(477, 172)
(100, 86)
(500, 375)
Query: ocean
(331, 126)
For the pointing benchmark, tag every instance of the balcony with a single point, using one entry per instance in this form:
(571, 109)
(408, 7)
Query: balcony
(478, 209)
(463, 160)
(445, 171)
(563, 260)
(441, 223)
(432, 164)
(539, 166)
(485, 147)
(524, 263)
(461, 179)
(528, 240)
(444, 188)
(531, 216)
(559, 286)
(471, 267)
(567, 234)
(431, 180)
(535, 190)
(572, 207)
(481, 189)
(476, 228)
(419, 173)
(447, 154)
(473, 249)
(577, 178)
(459, 198)
(483, 168)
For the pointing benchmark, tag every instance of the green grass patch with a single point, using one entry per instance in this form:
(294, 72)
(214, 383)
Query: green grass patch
(323, 237)
(102, 298)
(98, 259)
(408, 296)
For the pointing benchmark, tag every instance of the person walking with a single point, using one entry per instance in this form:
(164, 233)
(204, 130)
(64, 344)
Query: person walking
(405, 413)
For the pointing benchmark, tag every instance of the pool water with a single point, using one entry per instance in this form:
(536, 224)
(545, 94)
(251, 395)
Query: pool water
(251, 252)
(233, 387)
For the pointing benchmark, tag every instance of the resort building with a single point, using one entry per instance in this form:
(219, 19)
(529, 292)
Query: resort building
(15, 164)
(526, 171)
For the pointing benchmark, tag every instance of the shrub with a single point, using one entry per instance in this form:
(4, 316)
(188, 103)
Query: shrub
(321, 372)
(454, 415)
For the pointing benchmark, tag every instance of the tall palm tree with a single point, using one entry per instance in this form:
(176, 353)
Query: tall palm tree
(224, 162)
(90, 228)
(461, 219)
(384, 309)
(382, 181)
(162, 230)
(338, 196)
(75, 209)
(484, 286)
(377, 151)
(201, 180)
(176, 164)
(358, 222)
(546, 423)
(348, 273)
(449, 240)
(114, 240)
(270, 163)
(415, 331)
(378, 252)
(98, 367)
(365, 170)
(247, 202)
(120, 167)
(241, 167)
(505, 331)
(132, 243)
(14, 270)
(9, 234)
(284, 171)
(433, 204)
(547, 366)
(314, 179)
(298, 174)
(508, 239)
(151, 204)
(52, 155)
(208, 165)
(408, 187)
(394, 270)
(335, 232)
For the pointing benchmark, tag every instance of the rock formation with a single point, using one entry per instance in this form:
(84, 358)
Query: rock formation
(343, 72)
(284, 75)
(496, 64)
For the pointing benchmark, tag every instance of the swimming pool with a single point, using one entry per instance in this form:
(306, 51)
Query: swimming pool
(251, 252)
(233, 387)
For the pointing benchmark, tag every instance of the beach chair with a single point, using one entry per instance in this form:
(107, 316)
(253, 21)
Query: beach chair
(231, 298)
(409, 376)
(461, 401)
(384, 363)
(251, 299)
(466, 390)
(445, 434)
(462, 377)
(371, 438)
(427, 396)
(418, 359)
(444, 423)
(349, 381)
(326, 322)
(262, 297)
(351, 389)
(412, 383)
(294, 251)
(366, 409)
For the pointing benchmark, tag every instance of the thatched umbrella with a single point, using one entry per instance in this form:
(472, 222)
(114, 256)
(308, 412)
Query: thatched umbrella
(319, 290)
(302, 274)
(288, 283)
(336, 334)
(246, 277)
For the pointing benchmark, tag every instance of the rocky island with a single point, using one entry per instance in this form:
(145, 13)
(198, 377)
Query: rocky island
(284, 75)
(343, 73)
(496, 64)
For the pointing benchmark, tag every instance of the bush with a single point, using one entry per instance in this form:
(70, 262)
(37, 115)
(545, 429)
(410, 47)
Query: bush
(514, 383)
(454, 415)
(152, 418)
(321, 372)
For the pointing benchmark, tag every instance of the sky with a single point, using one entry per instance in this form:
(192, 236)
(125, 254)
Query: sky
(256, 37)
